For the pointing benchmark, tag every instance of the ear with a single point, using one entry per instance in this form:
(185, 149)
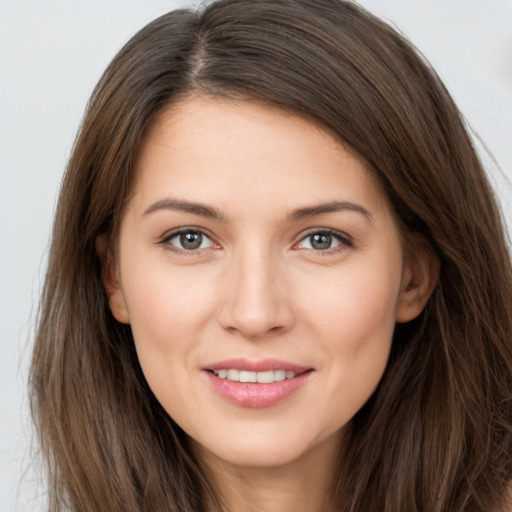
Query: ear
(419, 278)
(110, 277)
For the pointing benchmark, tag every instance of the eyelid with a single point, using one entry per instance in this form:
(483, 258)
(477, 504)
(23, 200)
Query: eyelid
(169, 235)
(344, 239)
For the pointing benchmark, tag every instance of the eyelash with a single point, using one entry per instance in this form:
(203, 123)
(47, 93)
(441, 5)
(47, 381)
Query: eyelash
(165, 241)
(344, 241)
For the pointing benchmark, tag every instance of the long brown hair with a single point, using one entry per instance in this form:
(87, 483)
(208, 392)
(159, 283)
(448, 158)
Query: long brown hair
(437, 434)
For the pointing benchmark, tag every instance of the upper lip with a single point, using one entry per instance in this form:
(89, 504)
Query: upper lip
(263, 365)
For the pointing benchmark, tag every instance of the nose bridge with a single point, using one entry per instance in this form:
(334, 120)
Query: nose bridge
(256, 303)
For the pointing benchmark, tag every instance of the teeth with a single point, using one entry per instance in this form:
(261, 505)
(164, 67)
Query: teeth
(279, 375)
(265, 377)
(247, 376)
(260, 377)
(233, 375)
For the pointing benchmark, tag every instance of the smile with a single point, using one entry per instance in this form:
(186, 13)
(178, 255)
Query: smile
(260, 377)
(256, 384)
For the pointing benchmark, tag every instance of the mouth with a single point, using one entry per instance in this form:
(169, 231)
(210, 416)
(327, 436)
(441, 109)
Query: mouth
(256, 384)
(267, 377)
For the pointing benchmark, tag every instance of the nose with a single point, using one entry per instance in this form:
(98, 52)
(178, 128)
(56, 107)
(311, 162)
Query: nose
(256, 303)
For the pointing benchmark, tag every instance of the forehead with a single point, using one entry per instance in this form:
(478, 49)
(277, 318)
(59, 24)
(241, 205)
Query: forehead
(206, 145)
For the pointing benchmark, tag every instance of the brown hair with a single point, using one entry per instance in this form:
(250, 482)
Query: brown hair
(437, 434)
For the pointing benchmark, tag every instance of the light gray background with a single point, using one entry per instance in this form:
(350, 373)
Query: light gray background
(52, 52)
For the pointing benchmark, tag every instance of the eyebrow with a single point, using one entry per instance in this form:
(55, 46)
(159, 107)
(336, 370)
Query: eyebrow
(331, 207)
(186, 206)
(299, 214)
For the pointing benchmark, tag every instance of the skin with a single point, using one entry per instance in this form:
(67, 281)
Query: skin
(259, 288)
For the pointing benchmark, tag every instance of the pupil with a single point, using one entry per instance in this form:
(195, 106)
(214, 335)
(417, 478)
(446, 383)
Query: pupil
(191, 240)
(321, 241)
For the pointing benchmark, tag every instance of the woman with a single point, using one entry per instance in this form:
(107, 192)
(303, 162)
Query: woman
(278, 278)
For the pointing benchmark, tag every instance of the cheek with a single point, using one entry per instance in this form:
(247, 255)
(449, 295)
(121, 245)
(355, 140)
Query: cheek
(167, 309)
(353, 321)
(353, 303)
(167, 319)
(160, 295)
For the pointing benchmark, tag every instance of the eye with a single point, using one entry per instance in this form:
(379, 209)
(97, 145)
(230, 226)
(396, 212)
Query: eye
(188, 240)
(324, 241)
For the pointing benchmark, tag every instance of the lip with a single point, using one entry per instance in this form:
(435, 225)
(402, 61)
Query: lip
(252, 395)
(263, 365)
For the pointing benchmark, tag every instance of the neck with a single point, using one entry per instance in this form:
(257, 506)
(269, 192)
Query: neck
(304, 484)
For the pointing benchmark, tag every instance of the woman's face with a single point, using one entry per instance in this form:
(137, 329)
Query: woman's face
(257, 248)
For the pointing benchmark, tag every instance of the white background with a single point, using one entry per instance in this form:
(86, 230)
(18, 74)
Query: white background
(52, 52)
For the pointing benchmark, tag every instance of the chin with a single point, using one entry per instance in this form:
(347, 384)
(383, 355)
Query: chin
(248, 448)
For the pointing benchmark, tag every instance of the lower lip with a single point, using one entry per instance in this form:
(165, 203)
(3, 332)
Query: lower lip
(248, 394)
